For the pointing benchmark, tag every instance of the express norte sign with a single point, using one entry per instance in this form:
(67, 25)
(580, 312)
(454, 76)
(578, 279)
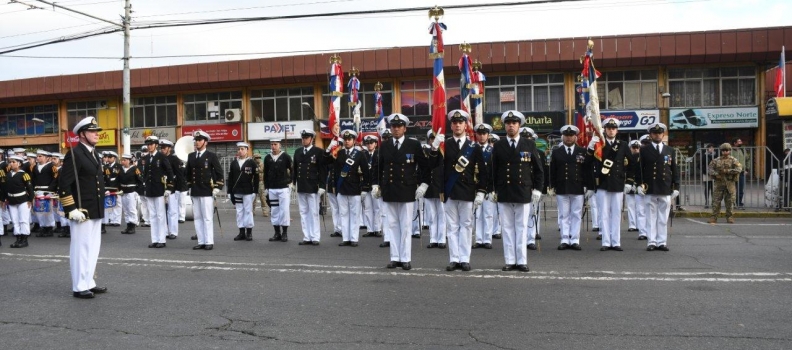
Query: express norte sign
(714, 118)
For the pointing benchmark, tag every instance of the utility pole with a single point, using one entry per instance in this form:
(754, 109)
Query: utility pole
(125, 137)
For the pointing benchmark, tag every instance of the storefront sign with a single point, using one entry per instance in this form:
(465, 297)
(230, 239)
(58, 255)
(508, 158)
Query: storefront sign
(138, 136)
(367, 125)
(714, 118)
(779, 107)
(633, 120)
(788, 134)
(106, 138)
(540, 122)
(289, 130)
(507, 96)
(218, 132)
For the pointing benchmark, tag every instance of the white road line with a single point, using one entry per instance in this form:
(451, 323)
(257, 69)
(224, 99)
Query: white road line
(708, 224)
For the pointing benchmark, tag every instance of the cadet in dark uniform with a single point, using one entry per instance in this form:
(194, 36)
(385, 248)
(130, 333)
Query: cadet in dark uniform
(205, 179)
(485, 216)
(112, 170)
(243, 183)
(372, 216)
(19, 195)
(158, 183)
(658, 182)
(518, 176)
(44, 183)
(129, 180)
(566, 182)
(402, 167)
(350, 172)
(82, 177)
(309, 176)
(433, 213)
(179, 186)
(277, 180)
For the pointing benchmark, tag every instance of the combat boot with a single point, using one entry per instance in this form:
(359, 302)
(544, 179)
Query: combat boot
(18, 243)
(241, 235)
(46, 232)
(23, 242)
(104, 230)
(58, 228)
(730, 220)
(249, 234)
(36, 229)
(285, 236)
(277, 237)
(712, 220)
(129, 230)
(66, 232)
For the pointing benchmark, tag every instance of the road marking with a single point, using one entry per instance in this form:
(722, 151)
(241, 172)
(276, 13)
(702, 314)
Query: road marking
(704, 276)
(708, 224)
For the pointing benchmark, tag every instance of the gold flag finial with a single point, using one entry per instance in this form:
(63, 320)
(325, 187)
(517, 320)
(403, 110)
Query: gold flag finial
(476, 65)
(436, 12)
(465, 47)
(354, 72)
(335, 58)
(378, 86)
(590, 44)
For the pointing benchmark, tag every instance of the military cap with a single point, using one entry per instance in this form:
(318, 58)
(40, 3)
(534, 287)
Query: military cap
(44, 153)
(725, 147)
(165, 143)
(397, 119)
(152, 140)
(349, 134)
(307, 133)
(370, 138)
(17, 158)
(126, 156)
(569, 130)
(200, 134)
(458, 115)
(87, 123)
(242, 144)
(112, 154)
(658, 128)
(610, 123)
(483, 128)
(509, 116)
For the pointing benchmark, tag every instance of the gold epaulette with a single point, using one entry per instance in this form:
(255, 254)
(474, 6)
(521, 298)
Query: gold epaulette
(67, 201)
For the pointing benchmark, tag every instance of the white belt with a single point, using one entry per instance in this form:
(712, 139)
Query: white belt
(20, 194)
(128, 185)
(42, 187)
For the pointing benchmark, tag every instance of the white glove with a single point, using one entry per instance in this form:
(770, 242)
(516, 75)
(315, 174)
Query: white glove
(189, 190)
(421, 191)
(493, 197)
(119, 193)
(214, 192)
(551, 191)
(589, 193)
(627, 188)
(107, 193)
(39, 193)
(594, 140)
(375, 191)
(333, 144)
(321, 192)
(640, 191)
(439, 139)
(363, 193)
(536, 196)
(675, 194)
(77, 215)
(479, 200)
(167, 193)
(266, 192)
(291, 187)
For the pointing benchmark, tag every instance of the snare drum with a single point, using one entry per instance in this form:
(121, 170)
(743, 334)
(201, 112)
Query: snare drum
(111, 200)
(42, 204)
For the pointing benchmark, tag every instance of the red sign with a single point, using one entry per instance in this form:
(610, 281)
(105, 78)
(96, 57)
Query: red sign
(218, 132)
(106, 138)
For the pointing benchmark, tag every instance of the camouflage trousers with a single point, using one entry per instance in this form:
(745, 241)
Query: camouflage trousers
(727, 192)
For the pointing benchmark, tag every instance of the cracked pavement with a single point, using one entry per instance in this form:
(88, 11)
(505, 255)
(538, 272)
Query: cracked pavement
(720, 287)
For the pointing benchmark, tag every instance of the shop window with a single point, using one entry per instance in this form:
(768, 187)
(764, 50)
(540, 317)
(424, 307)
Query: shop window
(19, 121)
(367, 107)
(281, 104)
(151, 112)
(209, 108)
(627, 90)
(416, 97)
(527, 93)
(712, 87)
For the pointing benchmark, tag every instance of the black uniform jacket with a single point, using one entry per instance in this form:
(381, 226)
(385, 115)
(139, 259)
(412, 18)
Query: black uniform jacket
(44, 179)
(467, 182)
(179, 180)
(658, 171)
(435, 174)
(158, 175)
(130, 180)
(111, 177)
(621, 171)
(86, 167)
(516, 172)
(19, 187)
(354, 178)
(310, 170)
(203, 174)
(3, 179)
(142, 168)
(486, 153)
(370, 160)
(277, 172)
(243, 180)
(567, 172)
(401, 170)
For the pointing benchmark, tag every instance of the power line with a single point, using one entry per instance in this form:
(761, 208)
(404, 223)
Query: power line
(245, 8)
(200, 55)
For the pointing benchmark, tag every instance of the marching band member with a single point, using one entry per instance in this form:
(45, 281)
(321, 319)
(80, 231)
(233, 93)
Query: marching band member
(372, 216)
(630, 198)
(401, 163)
(82, 177)
(43, 183)
(19, 197)
(518, 176)
(277, 183)
(434, 209)
(29, 166)
(463, 189)
(309, 176)
(129, 180)
(158, 182)
(204, 179)
(659, 184)
(350, 171)
(566, 177)
(179, 187)
(484, 215)
(113, 169)
(242, 187)
(61, 222)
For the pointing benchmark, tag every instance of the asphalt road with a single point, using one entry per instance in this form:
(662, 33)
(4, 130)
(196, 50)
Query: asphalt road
(720, 287)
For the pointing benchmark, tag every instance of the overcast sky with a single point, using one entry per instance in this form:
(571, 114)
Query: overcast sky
(575, 19)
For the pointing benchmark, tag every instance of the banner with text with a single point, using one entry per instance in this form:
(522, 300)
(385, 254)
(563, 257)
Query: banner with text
(218, 132)
(271, 130)
(540, 122)
(106, 138)
(367, 125)
(633, 120)
(714, 118)
(139, 136)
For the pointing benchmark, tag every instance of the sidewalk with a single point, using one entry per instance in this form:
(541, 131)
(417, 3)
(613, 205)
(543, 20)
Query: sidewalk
(693, 211)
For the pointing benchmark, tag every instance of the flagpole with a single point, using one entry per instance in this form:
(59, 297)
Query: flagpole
(436, 52)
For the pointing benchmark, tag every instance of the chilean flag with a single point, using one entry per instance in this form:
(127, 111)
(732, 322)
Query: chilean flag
(780, 78)
(379, 112)
(334, 107)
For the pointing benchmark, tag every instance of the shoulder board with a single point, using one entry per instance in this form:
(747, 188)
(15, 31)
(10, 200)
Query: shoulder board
(137, 172)
(25, 177)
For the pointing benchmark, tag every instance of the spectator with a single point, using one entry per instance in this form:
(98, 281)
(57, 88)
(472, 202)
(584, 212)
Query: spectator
(706, 157)
(743, 159)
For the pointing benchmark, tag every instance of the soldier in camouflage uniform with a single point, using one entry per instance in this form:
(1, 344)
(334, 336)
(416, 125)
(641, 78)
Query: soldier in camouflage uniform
(726, 171)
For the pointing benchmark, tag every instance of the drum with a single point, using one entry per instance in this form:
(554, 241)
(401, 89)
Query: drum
(42, 204)
(111, 200)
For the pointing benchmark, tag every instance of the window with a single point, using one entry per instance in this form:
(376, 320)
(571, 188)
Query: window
(707, 87)
(281, 104)
(416, 97)
(150, 112)
(627, 90)
(79, 110)
(18, 121)
(526, 93)
(367, 107)
(209, 108)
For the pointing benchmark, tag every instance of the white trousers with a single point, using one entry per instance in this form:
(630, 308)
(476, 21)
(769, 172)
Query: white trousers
(631, 202)
(459, 219)
(418, 216)
(596, 219)
(182, 205)
(20, 216)
(6, 216)
(279, 215)
(309, 215)
(496, 224)
(174, 203)
(397, 214)
(349, 214)
(385, 233)
(485, 217)
(144, 213)
(203, 217)
(129, 203)
(533, 222)
(159, 226)
(333, 199)
(640, 215)
(113, 215)
(513, 218)
(657, 209)
(244, 210)
(86, 239)
(372, 217)
(435, 216)
(570, 212)
(610, 205)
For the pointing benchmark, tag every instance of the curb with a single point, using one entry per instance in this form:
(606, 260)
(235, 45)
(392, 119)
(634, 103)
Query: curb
(737, 214)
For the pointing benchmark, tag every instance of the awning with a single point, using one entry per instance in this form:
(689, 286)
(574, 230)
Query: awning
(779, 107)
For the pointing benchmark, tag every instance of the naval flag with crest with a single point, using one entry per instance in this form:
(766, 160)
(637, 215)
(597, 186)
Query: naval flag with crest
(589, 77)
(436, 52)
(336, 91)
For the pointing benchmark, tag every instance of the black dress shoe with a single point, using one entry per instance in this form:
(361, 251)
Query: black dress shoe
(465, 266)
(344, 243)
(378, 234)
(418, 236)
(393, 264)
(662, 248)
(509, 268)
(604, 249)
(199, 247)
(304, 243)
(617, 248)
(641, 238)
(452, 266)
(314, 242)
(595, 229)
(563, 246)
(650, 248)
(487, 245)
(160, 245)
(152, 245)
(335, 234)
(181, 221)
(98, 290)
(575, 246)
(532, 246)
(384, 244)
(442, 245)
(497, 236)
(477, 246)
(406, 266)
(432, 245)
(632, 229)
(353, 244)
(86, 294)
(523, 268)
(368, 234)
(194, 238)
(170, 236)
(209, 247)
(599, 237)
